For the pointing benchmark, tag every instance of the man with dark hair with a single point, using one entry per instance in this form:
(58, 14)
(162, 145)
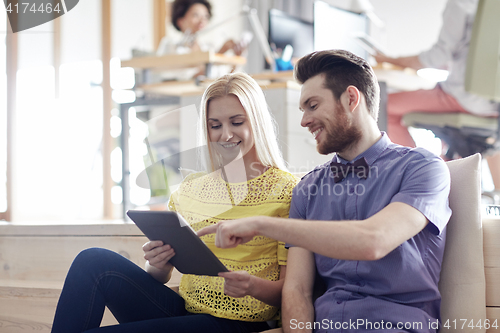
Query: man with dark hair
(371, 222)
(341, 72)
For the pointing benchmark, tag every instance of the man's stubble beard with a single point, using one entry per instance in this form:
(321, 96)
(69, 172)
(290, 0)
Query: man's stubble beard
(341, 134)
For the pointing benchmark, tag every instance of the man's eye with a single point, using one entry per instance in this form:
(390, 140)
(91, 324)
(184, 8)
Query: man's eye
(313, 107)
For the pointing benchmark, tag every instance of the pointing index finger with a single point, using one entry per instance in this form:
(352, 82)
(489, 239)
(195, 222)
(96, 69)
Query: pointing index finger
(211, 229)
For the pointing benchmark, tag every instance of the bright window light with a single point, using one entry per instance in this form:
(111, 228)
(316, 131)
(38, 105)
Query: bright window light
(116, 126)
(58, 143)
(426, 139)
(138, 150)
(121, 78)
(116, 195)
(123, 96)
(116, 165)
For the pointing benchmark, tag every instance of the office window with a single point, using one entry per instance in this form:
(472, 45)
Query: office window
(58, 171)
(3, 112)
(59, 164)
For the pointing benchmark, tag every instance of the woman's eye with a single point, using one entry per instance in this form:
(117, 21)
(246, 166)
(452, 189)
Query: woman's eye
(238, 124)
(313, 107)
(215, 126)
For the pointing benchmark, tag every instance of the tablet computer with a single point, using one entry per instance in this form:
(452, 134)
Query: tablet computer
(192, 256)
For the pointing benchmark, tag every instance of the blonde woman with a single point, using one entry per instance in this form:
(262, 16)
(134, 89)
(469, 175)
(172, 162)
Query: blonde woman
(246, 176)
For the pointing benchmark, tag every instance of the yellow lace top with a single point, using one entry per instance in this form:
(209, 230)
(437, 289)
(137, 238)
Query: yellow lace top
(207, 199)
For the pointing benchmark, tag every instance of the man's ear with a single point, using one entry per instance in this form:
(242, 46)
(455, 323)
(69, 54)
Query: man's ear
(353, 96)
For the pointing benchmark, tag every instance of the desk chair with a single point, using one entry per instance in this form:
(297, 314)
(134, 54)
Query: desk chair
(462, 282)
(465, 134)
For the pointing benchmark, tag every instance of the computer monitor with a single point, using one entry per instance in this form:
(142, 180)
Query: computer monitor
(286, 29)
(336, 28)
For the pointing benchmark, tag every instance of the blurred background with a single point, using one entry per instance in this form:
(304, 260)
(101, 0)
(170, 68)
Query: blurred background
(61, 84)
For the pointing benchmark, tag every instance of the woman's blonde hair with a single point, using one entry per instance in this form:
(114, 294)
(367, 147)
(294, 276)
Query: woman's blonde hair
(262, 122)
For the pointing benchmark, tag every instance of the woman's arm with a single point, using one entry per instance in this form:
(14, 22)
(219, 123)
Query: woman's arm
(241, 283)
(410, 61)
(237, 47)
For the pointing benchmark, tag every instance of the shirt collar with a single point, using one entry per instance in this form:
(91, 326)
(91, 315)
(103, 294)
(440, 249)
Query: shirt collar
(371, 154)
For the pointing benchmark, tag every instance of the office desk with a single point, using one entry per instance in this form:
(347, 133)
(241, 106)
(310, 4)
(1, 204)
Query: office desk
(402, 79)
(179, 61)
(396, 78)
(172, 61)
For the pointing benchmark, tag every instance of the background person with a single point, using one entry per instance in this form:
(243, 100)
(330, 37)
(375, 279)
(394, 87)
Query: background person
(449, 52)
(189, 17)
(374, 232)
(246, 176)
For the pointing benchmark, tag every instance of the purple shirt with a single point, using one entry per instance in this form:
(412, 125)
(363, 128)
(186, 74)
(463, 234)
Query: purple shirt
(401, 289)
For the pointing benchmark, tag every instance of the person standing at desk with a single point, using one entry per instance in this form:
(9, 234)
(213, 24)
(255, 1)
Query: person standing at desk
(190, 17)
(449, 52)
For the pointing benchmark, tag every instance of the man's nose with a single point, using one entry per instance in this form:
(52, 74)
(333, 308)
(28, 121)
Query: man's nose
(305, 121)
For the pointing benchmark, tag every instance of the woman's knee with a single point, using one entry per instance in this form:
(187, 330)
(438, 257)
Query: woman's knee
(93, 254)
(92, 259)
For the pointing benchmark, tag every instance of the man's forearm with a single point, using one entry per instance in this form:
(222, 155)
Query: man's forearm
(410, 61)
(297, 312)
(369, 239)
(332, 239)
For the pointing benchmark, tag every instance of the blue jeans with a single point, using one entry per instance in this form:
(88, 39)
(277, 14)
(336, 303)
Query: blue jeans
(99, 278)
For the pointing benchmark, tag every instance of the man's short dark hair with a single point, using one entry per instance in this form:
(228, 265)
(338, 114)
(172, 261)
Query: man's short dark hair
(341, 69)
(180, 8)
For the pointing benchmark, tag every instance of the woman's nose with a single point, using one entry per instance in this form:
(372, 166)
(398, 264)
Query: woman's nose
(227, 134)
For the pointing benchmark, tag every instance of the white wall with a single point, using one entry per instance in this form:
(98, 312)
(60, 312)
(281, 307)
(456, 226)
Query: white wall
(132, 27)
(411, 26)
(81, 32)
